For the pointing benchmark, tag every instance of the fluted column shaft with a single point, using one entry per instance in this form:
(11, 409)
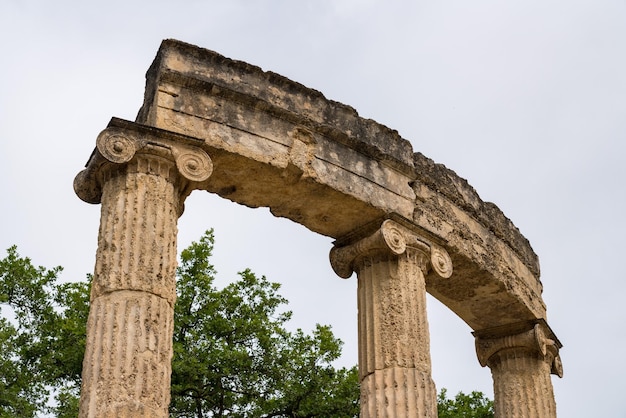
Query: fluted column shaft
(521, 364)
(394, 342)
(127, 364)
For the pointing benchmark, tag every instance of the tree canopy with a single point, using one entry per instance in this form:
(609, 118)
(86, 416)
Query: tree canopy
(474, 405)
(233, 355)
(42, 338)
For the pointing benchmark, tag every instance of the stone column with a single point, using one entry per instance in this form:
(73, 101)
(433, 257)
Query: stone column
(141, 182)
(521, 359)
(394, 344)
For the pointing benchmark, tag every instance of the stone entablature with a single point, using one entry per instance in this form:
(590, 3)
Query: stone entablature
(404, 224)
(335, 172)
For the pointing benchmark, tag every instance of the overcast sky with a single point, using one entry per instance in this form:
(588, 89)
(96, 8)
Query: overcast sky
(524, 99)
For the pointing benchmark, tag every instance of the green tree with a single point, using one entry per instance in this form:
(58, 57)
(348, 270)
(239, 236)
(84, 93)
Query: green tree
(42, 346)
(474, 405)
(232, 354)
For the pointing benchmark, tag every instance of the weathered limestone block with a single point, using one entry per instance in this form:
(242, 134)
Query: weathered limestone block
(496, 279)
(394, 343)
(521, 359)
(288, 137)
(141, 181)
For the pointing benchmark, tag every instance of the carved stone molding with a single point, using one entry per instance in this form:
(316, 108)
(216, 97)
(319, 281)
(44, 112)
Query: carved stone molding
(533, 337)
(122, 142)
(117, 147)
(392, 238)
(440, 261)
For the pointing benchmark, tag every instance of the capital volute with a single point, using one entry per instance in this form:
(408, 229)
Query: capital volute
(123, 142)
(391, 238)
(530, 337)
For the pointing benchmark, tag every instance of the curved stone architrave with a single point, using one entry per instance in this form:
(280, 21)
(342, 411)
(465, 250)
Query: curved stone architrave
(255, 122)
(398, 219)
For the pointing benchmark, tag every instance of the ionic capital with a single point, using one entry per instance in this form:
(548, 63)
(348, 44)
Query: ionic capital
(391, 238)
(533, 337)
(123, 143)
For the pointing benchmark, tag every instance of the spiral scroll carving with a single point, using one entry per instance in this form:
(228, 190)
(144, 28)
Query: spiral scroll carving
(115, 147)
(441, 262)
(393, 237)
(194, 166)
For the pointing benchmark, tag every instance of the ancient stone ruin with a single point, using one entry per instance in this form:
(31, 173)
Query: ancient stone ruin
(404, 224)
